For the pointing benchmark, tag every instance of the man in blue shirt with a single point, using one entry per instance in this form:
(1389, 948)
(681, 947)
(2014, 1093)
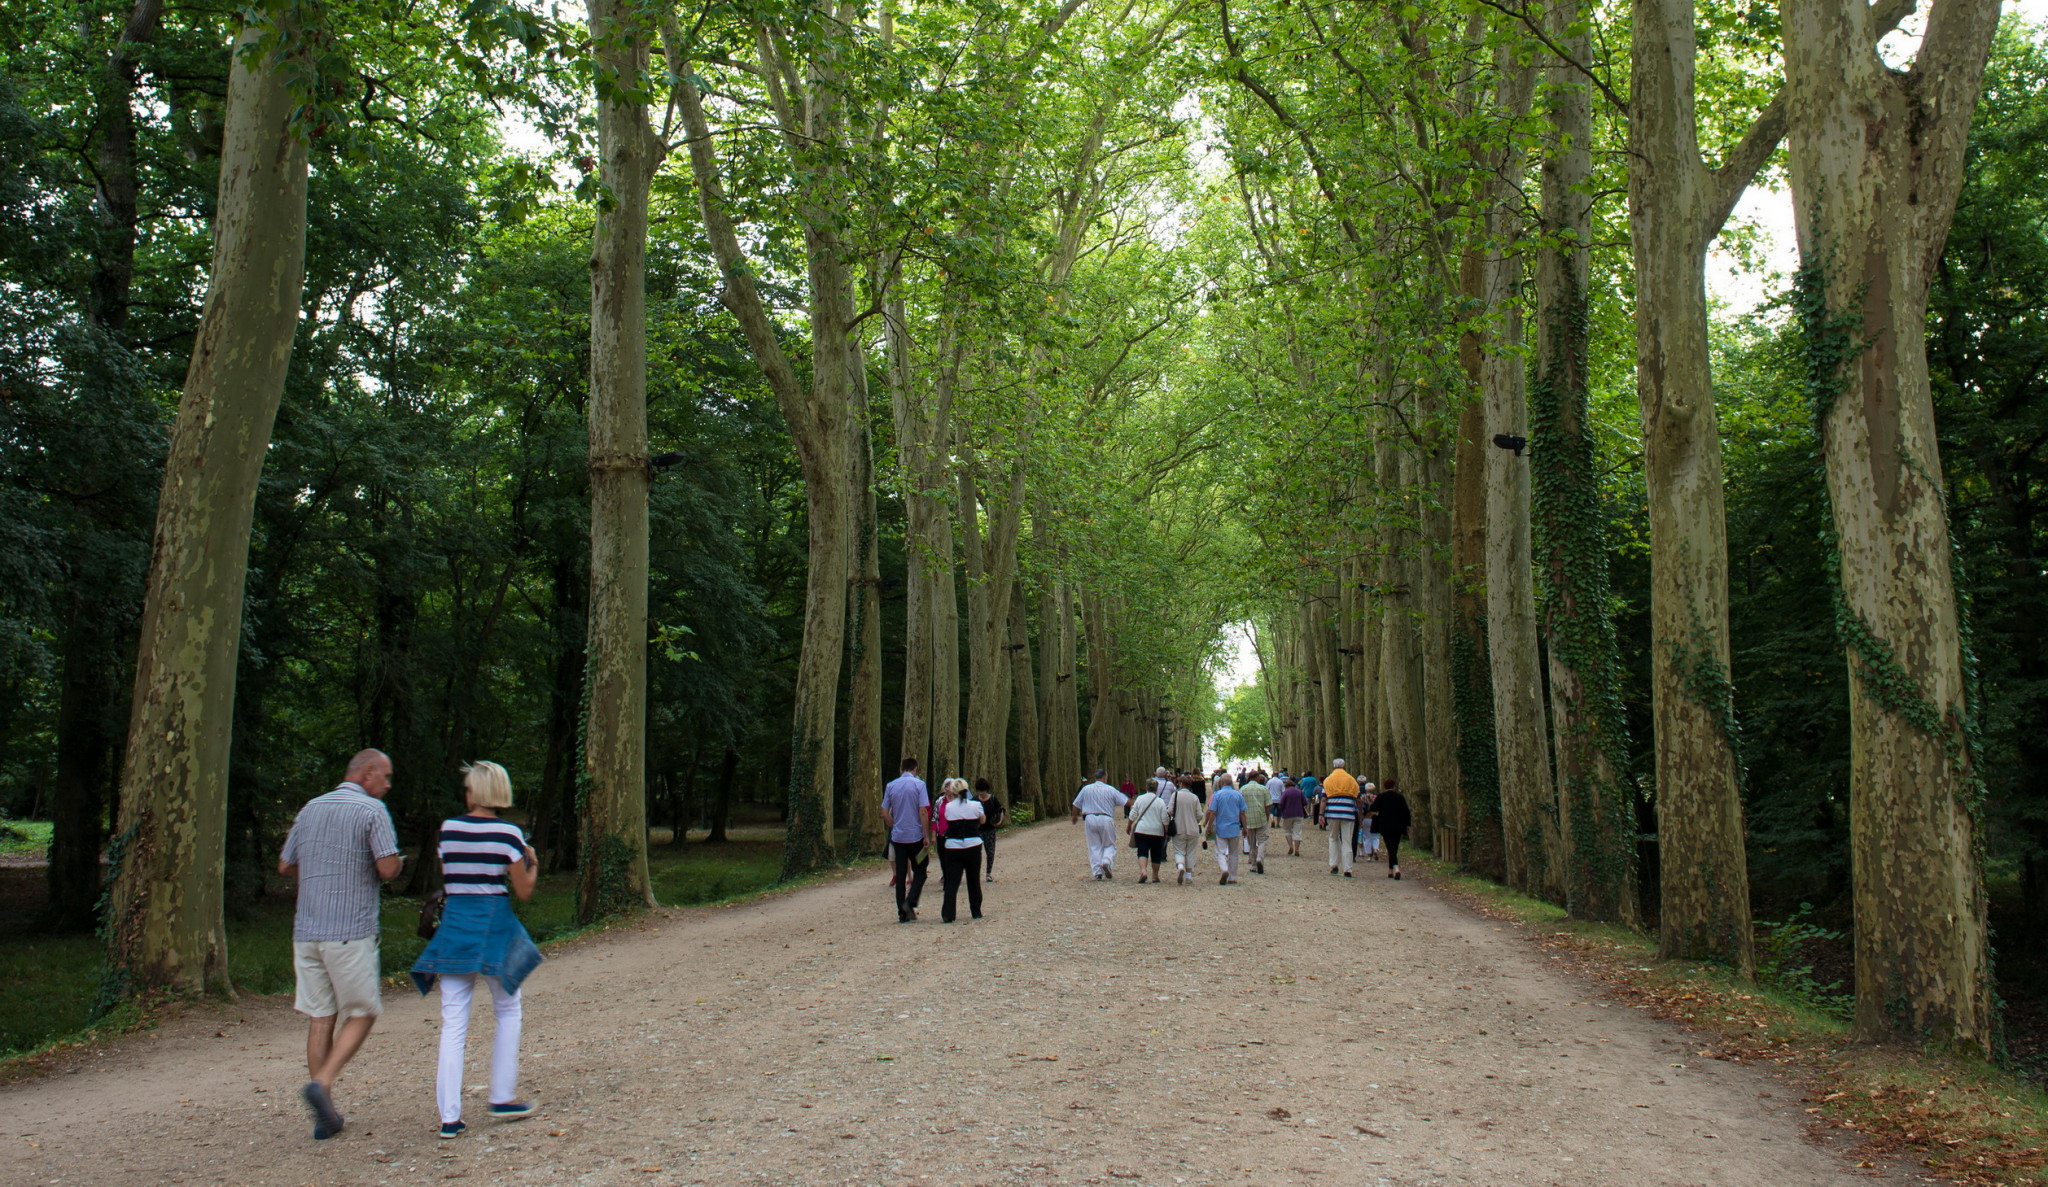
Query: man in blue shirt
(1226, 824)
(907, 808)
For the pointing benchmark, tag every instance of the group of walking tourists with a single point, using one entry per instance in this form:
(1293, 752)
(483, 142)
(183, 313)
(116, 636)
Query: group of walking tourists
(341, 847)
(961, 823)
(1235, 821)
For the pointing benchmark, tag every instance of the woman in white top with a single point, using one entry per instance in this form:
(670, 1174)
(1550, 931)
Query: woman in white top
(1148, 815)
(960, 852)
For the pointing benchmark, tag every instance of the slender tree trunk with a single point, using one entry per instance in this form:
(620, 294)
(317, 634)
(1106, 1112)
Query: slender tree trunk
(1101, 698)
(1479, 825)
(553, 810)
(1443, 787)
(1372, 641)
(865, 774)
(1406, 708)
(1030, 779)
(1596, 808)
(88, 747)
(1877, 163)
(919, 547)
(613, 861)
(945, 635)
(1350, 646)
(1520, 731)
(1066, 776)
(164, 924)
(817, 423)
(721, 797)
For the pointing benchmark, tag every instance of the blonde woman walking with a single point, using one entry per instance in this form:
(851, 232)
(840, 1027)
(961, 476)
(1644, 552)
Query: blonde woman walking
(484, 862)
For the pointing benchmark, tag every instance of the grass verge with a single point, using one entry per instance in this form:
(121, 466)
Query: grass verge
(1965, 1120)
(49, 982)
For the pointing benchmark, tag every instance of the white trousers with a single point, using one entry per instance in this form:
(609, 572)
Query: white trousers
(457, 990)
(1340, 843)
(1184, 847)
(1255, 846)
(1369, 842)
(1101, 834)
(1227, 855)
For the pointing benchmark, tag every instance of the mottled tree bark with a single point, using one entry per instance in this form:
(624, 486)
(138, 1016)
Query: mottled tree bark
(613, 864)
(164, 924)
(1520, 730)
(1596, 810)
(1877, 163)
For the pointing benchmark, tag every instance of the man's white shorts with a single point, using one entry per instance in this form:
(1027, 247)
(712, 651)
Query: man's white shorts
(338, 977)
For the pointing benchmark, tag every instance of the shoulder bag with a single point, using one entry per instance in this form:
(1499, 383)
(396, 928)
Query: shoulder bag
(430, 914)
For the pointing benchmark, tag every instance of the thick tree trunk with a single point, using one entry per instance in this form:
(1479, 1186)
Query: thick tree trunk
(1675, 207)
(1596, 809)
(164, 925)
(1877, 163)
(613, 859)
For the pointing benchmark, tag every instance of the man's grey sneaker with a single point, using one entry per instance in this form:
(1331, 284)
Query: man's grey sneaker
(450, 1130)
(325, 1115)
(512, 1110)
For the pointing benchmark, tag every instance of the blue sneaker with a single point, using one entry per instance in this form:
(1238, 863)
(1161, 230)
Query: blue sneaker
(326, 1118)
(512, 1110)
(451, 1130)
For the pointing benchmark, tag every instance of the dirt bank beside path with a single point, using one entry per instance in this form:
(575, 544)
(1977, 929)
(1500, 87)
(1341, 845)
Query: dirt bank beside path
(1299, 1028)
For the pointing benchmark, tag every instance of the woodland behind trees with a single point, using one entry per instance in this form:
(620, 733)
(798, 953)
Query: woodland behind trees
(684, 405)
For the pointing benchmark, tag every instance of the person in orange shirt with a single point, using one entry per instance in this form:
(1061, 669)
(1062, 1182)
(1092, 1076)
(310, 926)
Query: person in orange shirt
(1340, 811)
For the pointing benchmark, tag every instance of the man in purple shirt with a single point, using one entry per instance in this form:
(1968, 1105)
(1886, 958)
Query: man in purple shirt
(907, 808)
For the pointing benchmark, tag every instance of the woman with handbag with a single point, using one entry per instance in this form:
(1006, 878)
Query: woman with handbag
(1150, 815)
(484, 862)
(958, 818)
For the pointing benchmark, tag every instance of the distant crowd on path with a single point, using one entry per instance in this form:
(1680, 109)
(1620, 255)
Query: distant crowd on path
(1172, 821)
(341, 846)
(1176, 811)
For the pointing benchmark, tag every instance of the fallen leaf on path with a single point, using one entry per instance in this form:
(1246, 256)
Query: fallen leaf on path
(1278, 1114)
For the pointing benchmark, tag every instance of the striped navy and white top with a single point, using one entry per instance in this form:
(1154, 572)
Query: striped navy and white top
(476, 851)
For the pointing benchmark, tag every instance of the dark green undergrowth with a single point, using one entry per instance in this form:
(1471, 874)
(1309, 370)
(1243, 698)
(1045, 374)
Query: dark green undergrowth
(47, 983)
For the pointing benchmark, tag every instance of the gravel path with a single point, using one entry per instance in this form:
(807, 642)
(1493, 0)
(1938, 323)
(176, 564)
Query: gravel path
(1298, 1028)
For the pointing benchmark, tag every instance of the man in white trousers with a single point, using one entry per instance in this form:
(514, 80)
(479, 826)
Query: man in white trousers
(1186, 840)
(1095, 811)
(1226, 825)
(1340, 810)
